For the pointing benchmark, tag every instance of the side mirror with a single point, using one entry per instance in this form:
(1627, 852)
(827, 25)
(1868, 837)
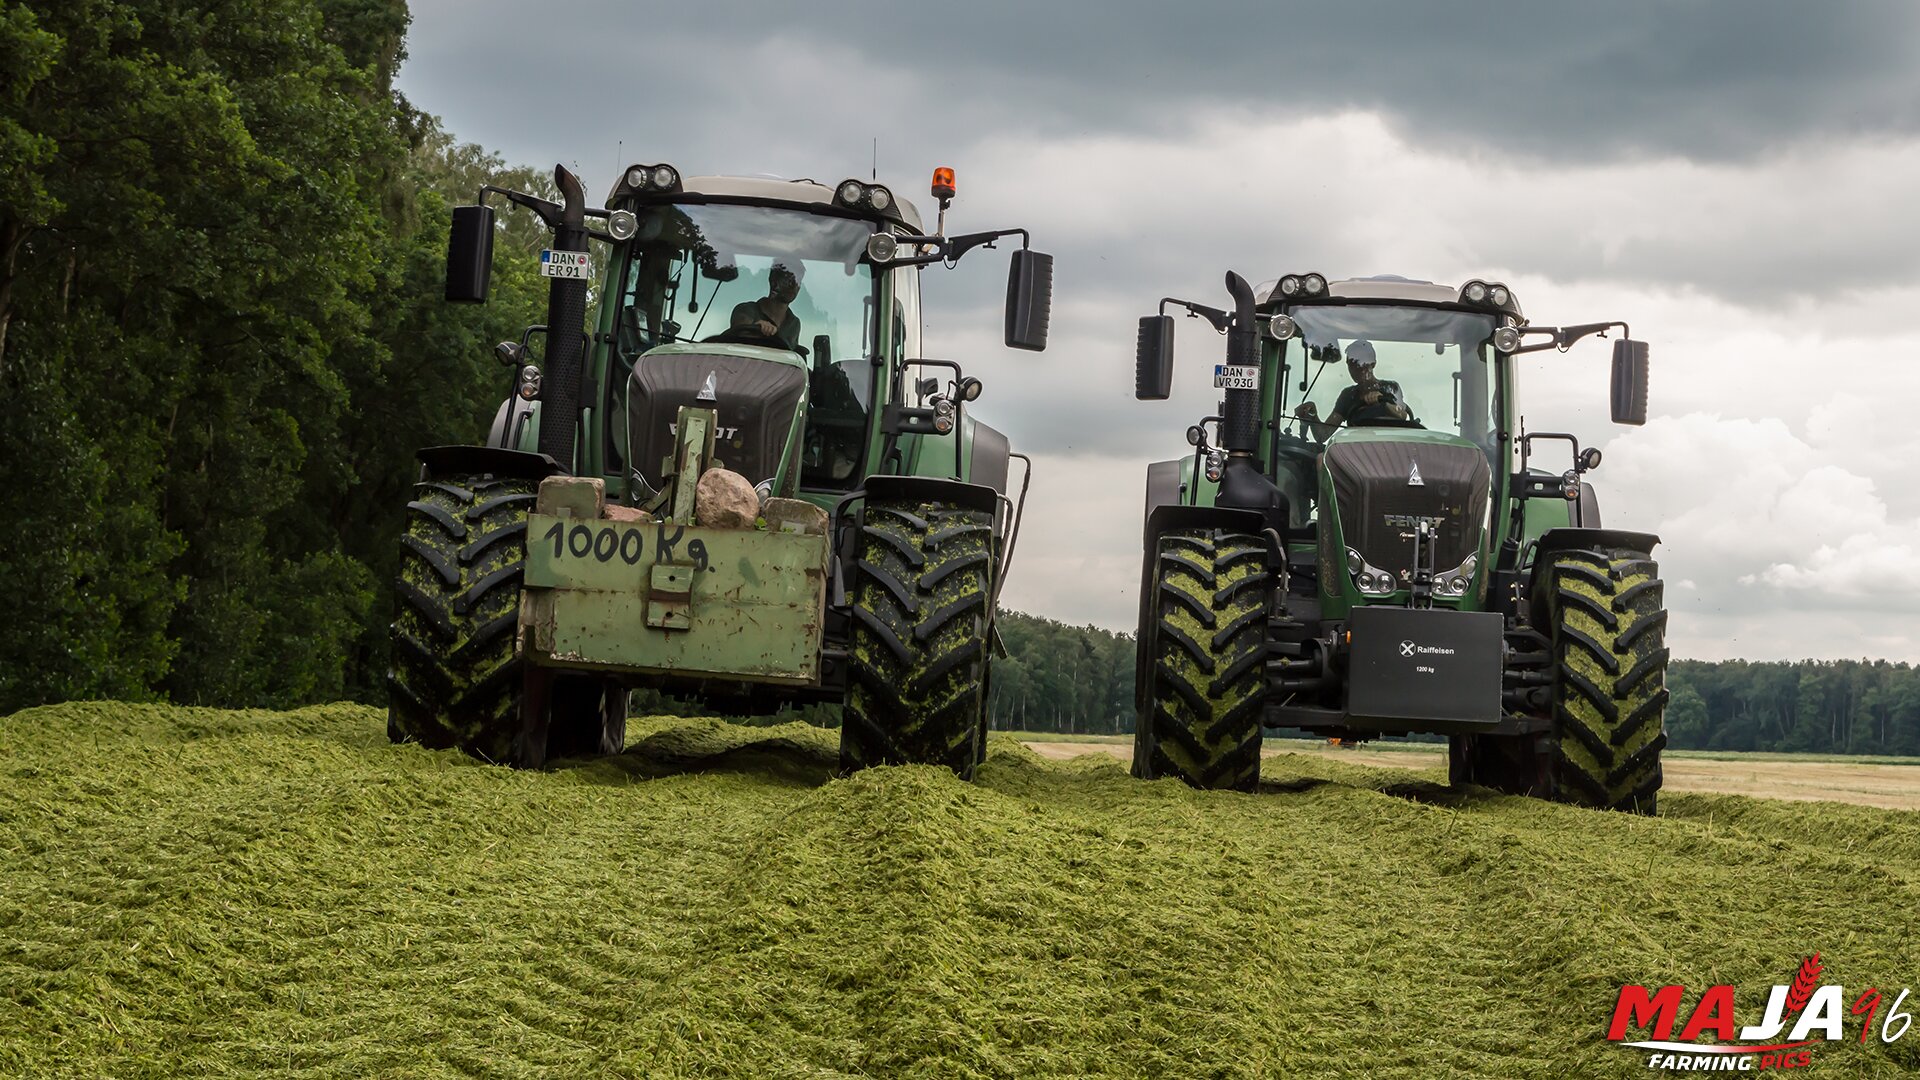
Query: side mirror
(470, 254)
(1153, 358)
(1029, 299)
(1629, 382)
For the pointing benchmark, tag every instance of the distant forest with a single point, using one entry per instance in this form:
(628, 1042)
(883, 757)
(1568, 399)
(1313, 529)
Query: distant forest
(1079, 679)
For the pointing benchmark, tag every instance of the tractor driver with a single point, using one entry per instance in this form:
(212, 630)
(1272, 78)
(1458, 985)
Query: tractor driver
(771, 316)
(1368, 400)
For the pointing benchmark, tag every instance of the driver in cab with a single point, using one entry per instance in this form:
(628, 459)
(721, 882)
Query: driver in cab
(771, 316)
(1368, 400)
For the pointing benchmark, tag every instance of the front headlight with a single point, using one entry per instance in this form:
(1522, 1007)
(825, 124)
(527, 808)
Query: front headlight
(1454, 582)
(1369, 580)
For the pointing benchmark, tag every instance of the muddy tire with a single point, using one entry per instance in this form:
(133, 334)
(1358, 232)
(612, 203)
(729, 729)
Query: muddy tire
(1203, 672)
(1608, 624)
(454, 680)
(921, 592)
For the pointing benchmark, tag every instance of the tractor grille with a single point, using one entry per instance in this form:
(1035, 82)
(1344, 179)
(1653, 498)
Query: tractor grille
(1379, 508)
(756, 401)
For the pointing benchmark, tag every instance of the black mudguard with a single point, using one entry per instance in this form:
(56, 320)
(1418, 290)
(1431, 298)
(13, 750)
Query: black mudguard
(989, 456)
(934, 489)
(1163, 484)
(1562, 539)
(1577, 539)
(475, 460)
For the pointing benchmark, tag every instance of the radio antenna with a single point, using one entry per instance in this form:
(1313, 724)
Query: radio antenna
(876, 158)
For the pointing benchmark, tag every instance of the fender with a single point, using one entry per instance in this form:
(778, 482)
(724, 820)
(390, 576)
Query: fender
(1165, 519)
(988, 456)
(1163, 484)
(934, 489)
(1567, 538)
(1564, 537)
(469, 460)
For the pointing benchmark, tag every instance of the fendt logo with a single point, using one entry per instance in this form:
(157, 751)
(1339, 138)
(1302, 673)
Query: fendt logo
(673, 428)
(1816, 1011)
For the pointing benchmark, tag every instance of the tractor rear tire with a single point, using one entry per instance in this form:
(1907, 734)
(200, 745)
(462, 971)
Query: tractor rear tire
(921, 601)
(1204, 675)
(1610, 663)
(455, 680)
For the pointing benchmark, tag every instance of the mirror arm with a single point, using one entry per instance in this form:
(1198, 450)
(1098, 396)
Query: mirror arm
(960, 245)
(549, 212)
(951, 248)
(1220, 319)
(1563, 337)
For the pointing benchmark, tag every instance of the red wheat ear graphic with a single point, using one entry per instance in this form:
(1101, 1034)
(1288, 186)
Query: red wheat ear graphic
(1803, 984)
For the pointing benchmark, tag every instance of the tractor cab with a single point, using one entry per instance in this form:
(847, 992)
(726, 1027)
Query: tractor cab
(1388, 412)
(756, 298)
(792, 310)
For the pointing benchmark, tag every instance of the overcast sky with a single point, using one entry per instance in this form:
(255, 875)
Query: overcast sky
(1739, 180)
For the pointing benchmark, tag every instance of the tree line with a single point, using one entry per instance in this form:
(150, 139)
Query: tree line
(221, 341)
(1079, 679)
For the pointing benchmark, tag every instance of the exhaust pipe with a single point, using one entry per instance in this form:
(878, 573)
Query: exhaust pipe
(565, 363)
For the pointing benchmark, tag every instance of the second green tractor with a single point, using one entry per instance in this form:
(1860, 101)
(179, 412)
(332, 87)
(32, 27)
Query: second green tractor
(1362, 543)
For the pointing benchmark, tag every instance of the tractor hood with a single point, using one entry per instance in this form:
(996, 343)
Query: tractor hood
(1379, 482)
(757, 393)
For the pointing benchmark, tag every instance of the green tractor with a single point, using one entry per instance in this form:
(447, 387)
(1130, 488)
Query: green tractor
(1367, 548)
(739, 480)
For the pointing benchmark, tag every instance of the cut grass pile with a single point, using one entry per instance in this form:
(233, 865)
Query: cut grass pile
(208, 893)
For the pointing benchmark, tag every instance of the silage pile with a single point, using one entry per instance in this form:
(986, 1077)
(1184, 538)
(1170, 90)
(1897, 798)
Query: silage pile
(228, 893)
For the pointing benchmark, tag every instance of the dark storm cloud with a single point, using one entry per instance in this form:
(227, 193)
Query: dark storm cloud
(1706, 80)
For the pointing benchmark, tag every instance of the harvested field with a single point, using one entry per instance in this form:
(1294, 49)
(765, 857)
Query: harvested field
(208, 893)
(1873, 782)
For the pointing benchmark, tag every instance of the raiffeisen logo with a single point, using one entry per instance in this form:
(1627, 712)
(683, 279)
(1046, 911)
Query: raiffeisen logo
(1799, 1017)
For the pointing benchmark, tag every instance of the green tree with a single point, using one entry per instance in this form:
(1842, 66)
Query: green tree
(221, 341)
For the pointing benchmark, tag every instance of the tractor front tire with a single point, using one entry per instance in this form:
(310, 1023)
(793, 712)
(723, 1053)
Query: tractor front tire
(454, 679)
(1204, 674)
(921, 600)
(1610, 663)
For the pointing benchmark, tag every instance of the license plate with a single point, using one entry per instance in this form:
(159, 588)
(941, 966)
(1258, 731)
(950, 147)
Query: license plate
(1235, 377)
(565, 264)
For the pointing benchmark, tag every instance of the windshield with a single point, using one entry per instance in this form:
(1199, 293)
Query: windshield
(1376, 365)
(768, 277)
(750, 275)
